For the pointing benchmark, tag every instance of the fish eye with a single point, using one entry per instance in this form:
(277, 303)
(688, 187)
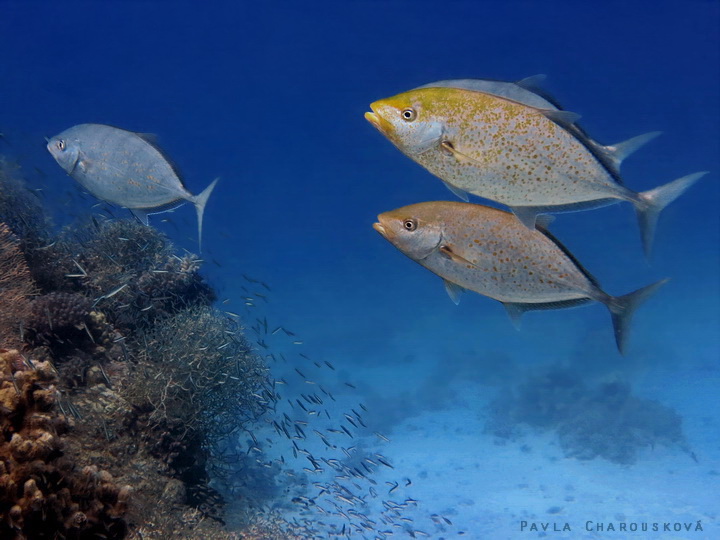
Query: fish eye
(408, 114)
(410, 224)
(61, 145)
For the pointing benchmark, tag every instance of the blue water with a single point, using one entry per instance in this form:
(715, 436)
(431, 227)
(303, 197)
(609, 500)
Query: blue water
(270, 97)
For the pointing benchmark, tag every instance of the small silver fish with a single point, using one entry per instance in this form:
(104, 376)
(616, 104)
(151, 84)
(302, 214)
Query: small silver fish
(124, 168)
(488, 251)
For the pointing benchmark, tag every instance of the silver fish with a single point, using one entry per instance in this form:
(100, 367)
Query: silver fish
(482, 249)
(509, 144)
(124, 168)
(528, 91)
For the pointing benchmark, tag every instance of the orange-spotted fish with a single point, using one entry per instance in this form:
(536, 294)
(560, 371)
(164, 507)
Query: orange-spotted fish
(488, 251)
(507, 143)
(124, 168)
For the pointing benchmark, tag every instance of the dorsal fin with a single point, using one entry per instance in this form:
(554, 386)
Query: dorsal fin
(616, 153)
(506, 90)
(564, 119)
(570, 256)
(152, 140)
(533, 83)
(149, 137)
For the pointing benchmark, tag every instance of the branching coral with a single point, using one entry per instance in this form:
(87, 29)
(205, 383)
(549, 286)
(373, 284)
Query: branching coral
(150, 382)
(128, 270)
(58, 318)
(16, 286)
(199, 370)
(20, 209)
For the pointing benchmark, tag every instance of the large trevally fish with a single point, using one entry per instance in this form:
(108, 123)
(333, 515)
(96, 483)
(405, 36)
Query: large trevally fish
(488, 251)
(512, 144)
(126, 169)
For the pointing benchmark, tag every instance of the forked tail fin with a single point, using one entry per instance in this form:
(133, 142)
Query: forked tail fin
(200, 201)
(622, 309)
(651, 203)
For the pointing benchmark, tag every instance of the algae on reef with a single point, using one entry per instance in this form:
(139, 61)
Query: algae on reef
(126, 384)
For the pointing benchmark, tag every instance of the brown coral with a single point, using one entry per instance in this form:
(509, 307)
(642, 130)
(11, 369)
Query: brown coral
(59, 320)
(16, 286)
(43, 495)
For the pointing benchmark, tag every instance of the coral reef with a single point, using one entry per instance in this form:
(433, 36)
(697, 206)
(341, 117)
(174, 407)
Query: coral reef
(43, 495)
(128, 386)
(21, 210)
(604, 421)
(56, 317)
(16, 286)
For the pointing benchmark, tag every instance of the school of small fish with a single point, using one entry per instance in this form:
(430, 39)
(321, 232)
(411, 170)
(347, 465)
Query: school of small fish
(511, 143)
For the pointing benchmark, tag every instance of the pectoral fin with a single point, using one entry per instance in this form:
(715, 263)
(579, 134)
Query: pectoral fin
(450, 149)
(448, 252)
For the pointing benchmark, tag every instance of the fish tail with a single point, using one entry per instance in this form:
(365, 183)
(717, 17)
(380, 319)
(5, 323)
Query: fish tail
(622, 308)
(650, 203)
(200, 201)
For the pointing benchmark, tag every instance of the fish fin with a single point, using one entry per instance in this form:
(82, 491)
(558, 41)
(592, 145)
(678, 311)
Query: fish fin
(141, 214)
(151, 138)
(448, 146)
(650, 204)
(461, 193)
(515, 311)
(533, 83)
(528, 215)
(619, 151)
(448, 252)
(543, 221)
(622, 308)
(564, 119)
(454, 291)
(200, 201)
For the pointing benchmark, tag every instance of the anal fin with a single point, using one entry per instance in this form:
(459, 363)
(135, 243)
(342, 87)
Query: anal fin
(528, 215)
(462, 194)
(454, 291)
(515, 311)
(141, 214)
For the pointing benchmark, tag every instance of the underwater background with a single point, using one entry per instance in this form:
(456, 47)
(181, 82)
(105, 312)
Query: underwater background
(270, 98)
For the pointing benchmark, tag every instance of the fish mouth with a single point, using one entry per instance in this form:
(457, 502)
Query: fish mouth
(376, 119)
(373, 119)
(380, 228)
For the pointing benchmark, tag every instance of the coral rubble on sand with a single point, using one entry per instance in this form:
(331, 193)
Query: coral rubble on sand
(118, 382)
(603, 421)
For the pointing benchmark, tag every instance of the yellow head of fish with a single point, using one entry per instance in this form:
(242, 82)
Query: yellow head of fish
(411, 231)
(408, 121)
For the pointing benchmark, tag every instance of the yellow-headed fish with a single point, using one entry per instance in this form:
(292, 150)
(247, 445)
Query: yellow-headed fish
(512, 145)
(490, 252)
